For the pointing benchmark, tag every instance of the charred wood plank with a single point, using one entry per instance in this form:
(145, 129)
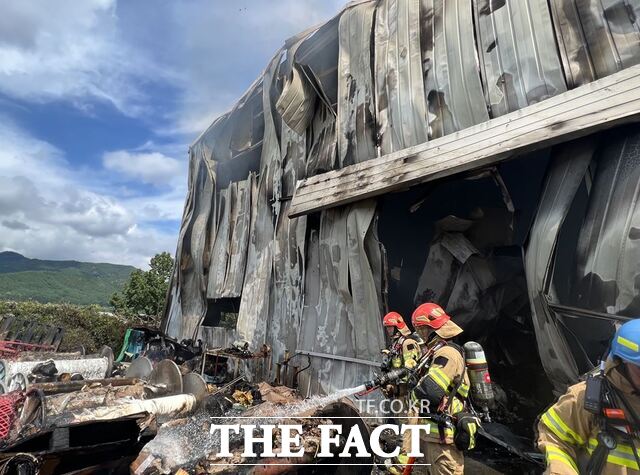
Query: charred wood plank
(587, 109)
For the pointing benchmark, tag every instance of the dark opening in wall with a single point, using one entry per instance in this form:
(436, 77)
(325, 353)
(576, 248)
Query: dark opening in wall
(222, 313)
(459, 242)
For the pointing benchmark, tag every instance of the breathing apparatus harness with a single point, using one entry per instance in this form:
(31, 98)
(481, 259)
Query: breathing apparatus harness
(615, 417)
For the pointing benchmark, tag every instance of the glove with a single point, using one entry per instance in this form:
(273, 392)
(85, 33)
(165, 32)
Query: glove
(386, 360)
(390, 391)
(465, 433)
(396, 465)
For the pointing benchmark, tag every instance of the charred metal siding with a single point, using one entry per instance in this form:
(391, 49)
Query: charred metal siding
(356, 109)
(400, 100)
(608, 271)
(229, 251)
(379, 77)
(451, 76)
(596, 38)
(564, 177)
(518, 56)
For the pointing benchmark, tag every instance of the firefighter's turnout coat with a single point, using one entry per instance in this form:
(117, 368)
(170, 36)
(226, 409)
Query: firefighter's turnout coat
(567, 432)
(447, 365)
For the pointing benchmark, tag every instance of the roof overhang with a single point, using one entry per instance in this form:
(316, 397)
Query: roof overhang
(596, 106)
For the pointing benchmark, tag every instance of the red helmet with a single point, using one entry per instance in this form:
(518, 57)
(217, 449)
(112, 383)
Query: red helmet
(429, 314)
(394, 319)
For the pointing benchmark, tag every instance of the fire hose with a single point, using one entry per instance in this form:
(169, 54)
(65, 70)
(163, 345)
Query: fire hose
(395, 375)
(382, 380)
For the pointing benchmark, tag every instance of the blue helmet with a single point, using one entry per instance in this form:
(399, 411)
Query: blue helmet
(626, 342)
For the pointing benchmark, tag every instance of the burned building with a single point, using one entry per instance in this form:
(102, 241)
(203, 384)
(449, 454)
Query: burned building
(481, 154)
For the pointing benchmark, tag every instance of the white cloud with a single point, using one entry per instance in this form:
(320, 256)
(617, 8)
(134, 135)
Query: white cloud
(202, 54)
(71, 50)
(206, 52)
(47, 211)
(14, 224)
(152, 168)
(63, 243)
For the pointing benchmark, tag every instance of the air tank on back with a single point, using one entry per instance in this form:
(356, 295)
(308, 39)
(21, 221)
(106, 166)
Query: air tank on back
(478, 370)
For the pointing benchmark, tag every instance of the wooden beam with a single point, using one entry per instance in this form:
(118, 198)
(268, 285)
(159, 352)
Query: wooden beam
(599, 105)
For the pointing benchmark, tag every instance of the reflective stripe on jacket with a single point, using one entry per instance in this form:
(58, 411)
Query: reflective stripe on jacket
(567, 433)
(405, 353)
(447, 365)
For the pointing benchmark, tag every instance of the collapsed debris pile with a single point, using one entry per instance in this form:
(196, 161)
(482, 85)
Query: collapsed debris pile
(152, 409)
(70, 411)
(190, 444)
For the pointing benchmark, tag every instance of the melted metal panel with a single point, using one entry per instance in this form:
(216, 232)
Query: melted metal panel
(287, 290)
(297, 102)
(229, 252)
(342, 312)
(356, 112)
(187, 305)
(400, 99)
(364, 258)
(319, 53)
(322, 142)
(596, 38)
(220, 247)
(608, 255)
(450, 67)
(518, 56)
(239, 239)
(254, 305)
(565, 174)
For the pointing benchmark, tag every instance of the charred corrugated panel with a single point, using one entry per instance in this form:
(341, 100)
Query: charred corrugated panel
(187, 305)
(356, 127)
(319, 53)
(317, 59)
(400, 100)
(450, 67)
(296, 104)
(608, 253)
(238, 130)
(254, 304)
(377, 256)
(325, 327)
(216, 337)
(229, 253)
(287, 289)
(239, 238)
(518, 55)
(322, 142)
(294, 154)
(596, 38)
(365, 259)
(220, 242)
(566, 172)
(341, 312)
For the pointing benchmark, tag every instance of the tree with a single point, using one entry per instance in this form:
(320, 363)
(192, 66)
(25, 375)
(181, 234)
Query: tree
(145, 291)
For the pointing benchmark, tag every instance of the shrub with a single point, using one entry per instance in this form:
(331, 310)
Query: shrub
(83, 325)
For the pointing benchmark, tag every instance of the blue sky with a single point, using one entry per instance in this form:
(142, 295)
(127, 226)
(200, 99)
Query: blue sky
(99, 100)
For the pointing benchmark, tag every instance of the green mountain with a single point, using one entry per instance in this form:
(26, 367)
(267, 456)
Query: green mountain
(80, 283)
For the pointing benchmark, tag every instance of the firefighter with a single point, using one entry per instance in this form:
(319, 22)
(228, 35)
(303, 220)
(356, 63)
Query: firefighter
(594, 427)
(445, 388)
(404, 351)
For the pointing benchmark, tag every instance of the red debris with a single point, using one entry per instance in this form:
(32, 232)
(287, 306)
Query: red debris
(8, 411)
